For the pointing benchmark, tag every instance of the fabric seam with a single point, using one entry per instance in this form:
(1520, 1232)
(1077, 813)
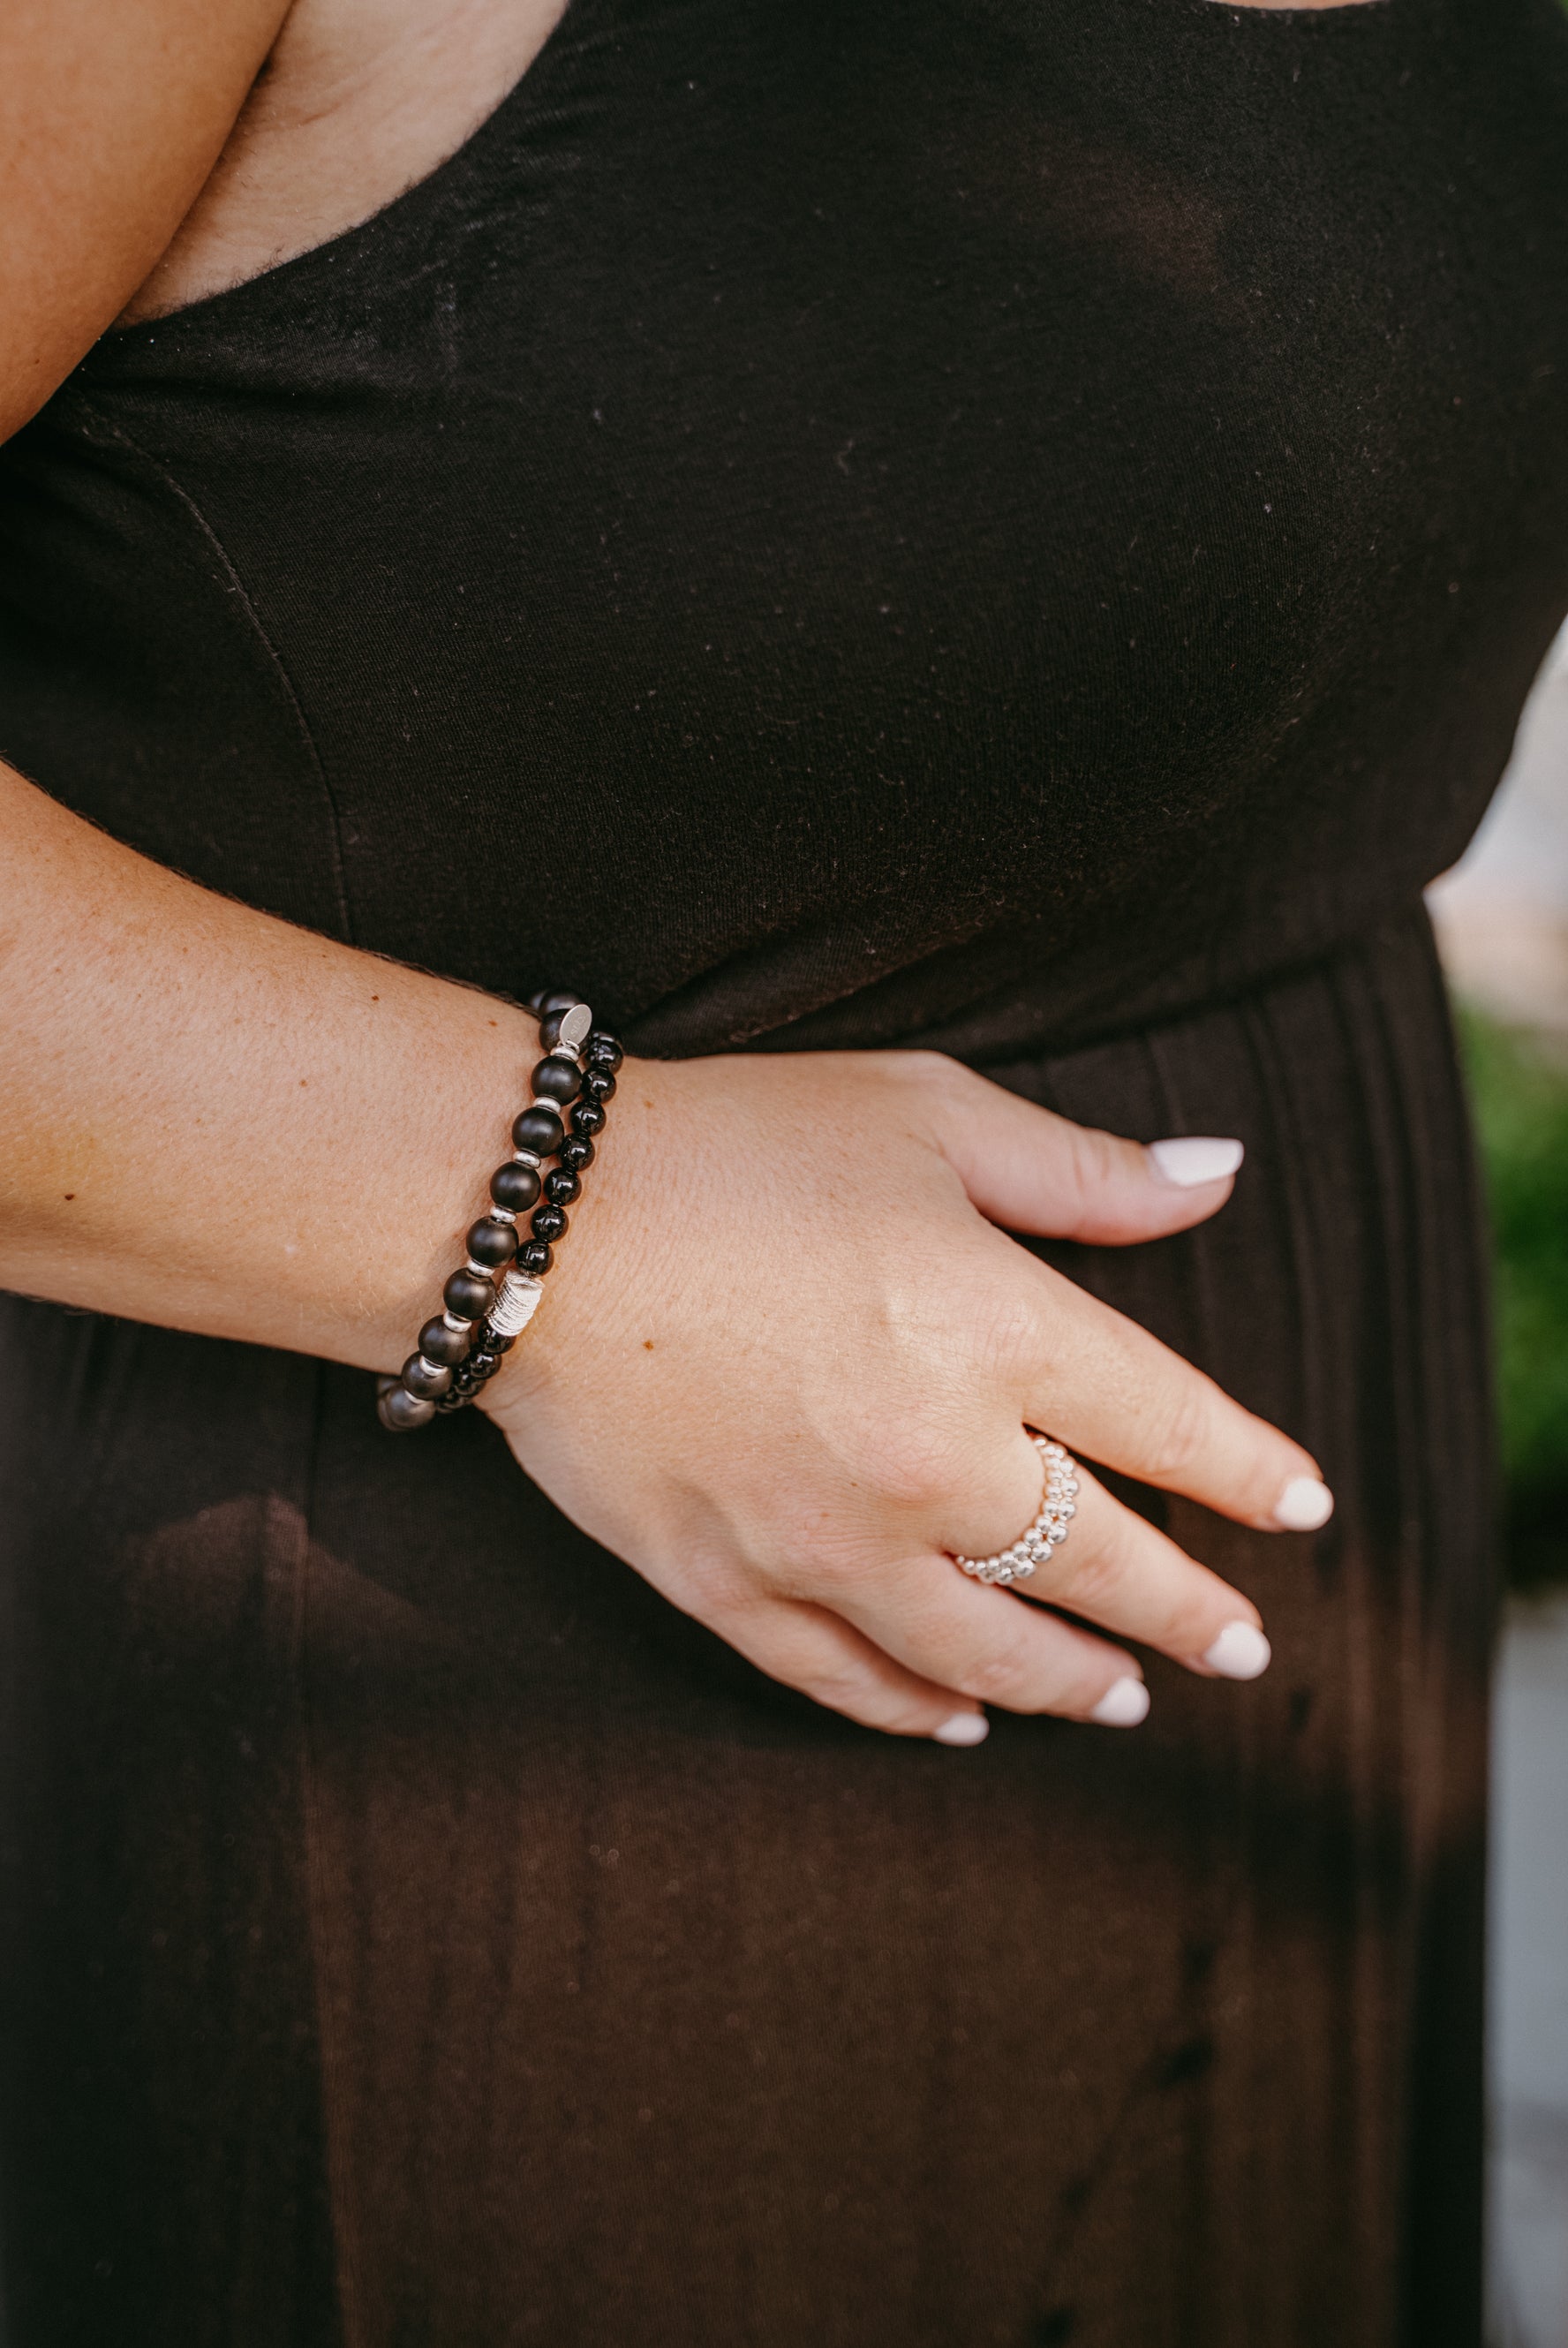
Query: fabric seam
(247, 604)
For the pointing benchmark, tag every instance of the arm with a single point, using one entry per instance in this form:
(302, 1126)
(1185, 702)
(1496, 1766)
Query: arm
(787, 1366)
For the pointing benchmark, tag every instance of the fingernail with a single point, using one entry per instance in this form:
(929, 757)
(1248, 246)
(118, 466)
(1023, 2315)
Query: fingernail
(964, 1728)
(1240, 1652)
(1303, 1505)
(1123, 1704)
(1195, 1158)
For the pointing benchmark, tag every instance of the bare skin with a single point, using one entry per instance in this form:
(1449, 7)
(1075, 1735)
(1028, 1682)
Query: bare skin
(813, 1384)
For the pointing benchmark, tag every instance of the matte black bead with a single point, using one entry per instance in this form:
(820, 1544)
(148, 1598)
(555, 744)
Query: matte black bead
(536, 1256)
(439, 1344)
(548, 1222)
(514, 1186)
(598, 1084)
(604, 1049)
(561, 1186)
(426, 1377)
(400, 1410)
(538, 1129)
(560, 998)
(536, 1002)
(468, 1294)
(557, 1080)
(588, 1117)
(492, 1242)
(576, 1153)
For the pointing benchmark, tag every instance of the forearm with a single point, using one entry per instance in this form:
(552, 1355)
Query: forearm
(221, 1123)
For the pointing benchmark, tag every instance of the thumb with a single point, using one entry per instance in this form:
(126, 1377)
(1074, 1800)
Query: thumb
(1030, 1170)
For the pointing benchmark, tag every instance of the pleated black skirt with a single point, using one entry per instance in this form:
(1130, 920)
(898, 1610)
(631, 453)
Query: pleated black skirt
(424, 1937)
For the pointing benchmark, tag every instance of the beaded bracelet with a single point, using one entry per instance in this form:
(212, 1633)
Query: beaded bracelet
(489, 1305)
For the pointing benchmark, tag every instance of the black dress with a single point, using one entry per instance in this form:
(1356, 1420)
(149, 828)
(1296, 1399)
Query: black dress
(1020, 525)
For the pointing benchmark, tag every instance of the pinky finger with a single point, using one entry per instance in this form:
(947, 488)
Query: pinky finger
(840, 1668)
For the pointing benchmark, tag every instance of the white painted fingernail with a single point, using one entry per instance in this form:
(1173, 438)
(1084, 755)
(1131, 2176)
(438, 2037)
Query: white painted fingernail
(1303, 1505)
(1240, 1652)
(964, 1728)
(1123, 1704)
(1195, 1158)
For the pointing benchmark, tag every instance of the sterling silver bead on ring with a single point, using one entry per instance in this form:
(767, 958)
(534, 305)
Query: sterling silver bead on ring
(1049, 1530)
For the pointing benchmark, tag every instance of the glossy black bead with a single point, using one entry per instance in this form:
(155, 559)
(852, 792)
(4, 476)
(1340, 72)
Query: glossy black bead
(514, 1186)
(538, 1129)
(560, 998)
(421, 1376)
(603, 1049)
(561, 1186)
(557, 1080)
(536, 1256)
(588, 1117)
(484, 1364)
(439, 1344)
(494, 1343)
(468, 1294)
(548, 1222)
(598, 1084)
(492, 1242)
(400, 1410)
(577, 1152)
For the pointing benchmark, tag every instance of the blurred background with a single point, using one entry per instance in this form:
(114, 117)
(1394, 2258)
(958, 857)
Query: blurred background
(1502, 924)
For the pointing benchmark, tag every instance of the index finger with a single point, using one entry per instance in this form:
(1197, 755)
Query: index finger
(1109, 1389)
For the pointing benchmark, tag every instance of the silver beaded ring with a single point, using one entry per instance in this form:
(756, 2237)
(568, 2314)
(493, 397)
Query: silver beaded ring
(1049, 1530)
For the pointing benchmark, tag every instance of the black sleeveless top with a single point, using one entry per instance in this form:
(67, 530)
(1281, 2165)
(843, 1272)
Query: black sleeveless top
(980, 522)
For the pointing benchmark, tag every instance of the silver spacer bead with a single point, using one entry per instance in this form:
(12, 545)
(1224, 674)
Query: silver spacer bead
(503, 1215)
(528, 1157)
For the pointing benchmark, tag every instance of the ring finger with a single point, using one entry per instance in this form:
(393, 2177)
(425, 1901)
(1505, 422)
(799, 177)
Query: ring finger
(1115, 1570)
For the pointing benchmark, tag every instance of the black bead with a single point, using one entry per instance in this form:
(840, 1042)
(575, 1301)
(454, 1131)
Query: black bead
(598, 1084)
(556, 1079)
(560, 998)
(439, 1344)
(484, 1364)
(536, 1002)
(468, 1294)
(514, 1186)
(588, 1117)
(492, 1242)
(561, 1186)
(538, 1129)
(548, 1222)
(421, 1376)
(493, 1342)
(576, 1153)
(536, 1256)
(604, 1050)
(400, 1410)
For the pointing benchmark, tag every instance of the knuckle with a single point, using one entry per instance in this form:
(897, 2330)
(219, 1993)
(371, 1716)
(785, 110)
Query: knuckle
(1179, 1429)
(1000, 1675)
(914, 1464)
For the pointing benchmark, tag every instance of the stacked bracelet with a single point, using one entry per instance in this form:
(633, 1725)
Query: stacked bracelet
(490, 1298)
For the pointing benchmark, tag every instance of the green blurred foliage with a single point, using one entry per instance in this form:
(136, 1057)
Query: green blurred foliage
(1520, 1096)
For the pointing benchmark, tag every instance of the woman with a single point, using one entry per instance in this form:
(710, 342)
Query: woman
(953, 569)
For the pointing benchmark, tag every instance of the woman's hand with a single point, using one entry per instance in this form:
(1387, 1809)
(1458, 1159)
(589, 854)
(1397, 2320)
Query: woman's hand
(787, 1364)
